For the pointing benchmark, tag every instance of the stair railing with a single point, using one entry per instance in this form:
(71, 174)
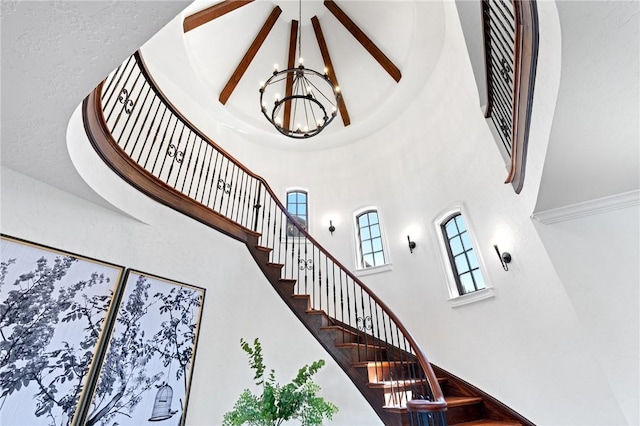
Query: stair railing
(130, 113)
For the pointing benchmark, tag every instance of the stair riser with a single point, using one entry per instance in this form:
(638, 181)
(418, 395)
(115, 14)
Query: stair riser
(300, 304)
(464, 413)
(395, 398)
(389, 372)
(316, 320)
(358, 354)
(337, 336)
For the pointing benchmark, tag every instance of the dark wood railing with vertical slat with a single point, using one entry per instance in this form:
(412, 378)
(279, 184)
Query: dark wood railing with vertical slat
(511, 50)
(146, 139)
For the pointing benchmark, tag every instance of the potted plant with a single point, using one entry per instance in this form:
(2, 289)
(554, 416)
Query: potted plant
(277, 403)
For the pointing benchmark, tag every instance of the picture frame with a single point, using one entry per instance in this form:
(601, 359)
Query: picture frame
(55, 311)
(147, 365)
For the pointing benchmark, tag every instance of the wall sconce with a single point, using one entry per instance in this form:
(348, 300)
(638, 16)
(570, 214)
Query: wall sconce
(412, 244)
(331, 227)
(505, 258)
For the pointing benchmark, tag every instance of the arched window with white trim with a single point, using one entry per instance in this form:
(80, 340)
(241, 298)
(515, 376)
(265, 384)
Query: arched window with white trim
(298, 206)
(369, 237)
(462, 256)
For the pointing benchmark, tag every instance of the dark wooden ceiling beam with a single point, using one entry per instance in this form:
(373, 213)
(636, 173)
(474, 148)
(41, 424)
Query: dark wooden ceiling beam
(209, 14)
(342, 107)
(290, 64)
(365, 41)
(248, 57)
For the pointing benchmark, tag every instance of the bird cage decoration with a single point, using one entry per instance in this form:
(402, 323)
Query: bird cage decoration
(162, 404)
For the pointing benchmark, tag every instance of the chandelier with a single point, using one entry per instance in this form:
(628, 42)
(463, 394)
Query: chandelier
(304, 100)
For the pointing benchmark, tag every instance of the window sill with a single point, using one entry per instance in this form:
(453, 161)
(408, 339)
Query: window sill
(373, 270)
(474, 297)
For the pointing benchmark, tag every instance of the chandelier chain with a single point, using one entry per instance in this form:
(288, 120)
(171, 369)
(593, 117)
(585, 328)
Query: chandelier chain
(299, 30)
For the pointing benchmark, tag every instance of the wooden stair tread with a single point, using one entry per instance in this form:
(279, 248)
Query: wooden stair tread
(456, 401)
(380, 363)
(395, 383)
(336, 327)
(487, 422)
(385, 383)
(265, 249)
(357, 345)
(452, 401)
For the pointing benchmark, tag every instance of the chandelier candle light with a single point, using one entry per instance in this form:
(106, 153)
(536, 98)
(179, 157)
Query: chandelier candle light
(312, 104)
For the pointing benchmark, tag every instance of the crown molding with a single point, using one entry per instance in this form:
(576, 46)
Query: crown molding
(588, 208)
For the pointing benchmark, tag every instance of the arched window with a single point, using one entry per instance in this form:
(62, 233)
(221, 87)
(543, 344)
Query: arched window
(463, 259)
(370, 248)
(297, 205)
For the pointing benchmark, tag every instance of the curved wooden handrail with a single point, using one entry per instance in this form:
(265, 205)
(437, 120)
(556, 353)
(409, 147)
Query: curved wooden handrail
(130, 171)
(105, 144)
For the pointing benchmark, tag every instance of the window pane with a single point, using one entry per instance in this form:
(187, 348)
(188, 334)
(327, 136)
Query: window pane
(377, 244)
(479, 279)
(473, 260)
(302, 198)
(456, 246)
(375, 231)
(368, 261)
(461, 264)
(451, 228)
(467, 283)
(302, 209)
(373, 218)
(379, 258)
(466, 240)
(291, 198)
(365, 234)
(461, 225)
(363, 220)
(366, 247)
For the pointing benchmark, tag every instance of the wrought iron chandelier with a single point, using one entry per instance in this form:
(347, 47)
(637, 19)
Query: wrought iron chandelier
(310, 98)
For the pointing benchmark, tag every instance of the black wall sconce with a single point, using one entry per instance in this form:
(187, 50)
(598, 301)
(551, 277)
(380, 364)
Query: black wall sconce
(412, 244)
(331, 227)
(505, 258)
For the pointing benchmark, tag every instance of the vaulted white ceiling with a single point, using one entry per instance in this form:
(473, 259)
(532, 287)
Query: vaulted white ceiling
(409, 33)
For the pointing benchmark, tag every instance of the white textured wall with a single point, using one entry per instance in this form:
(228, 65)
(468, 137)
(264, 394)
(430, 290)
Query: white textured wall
(600, 271)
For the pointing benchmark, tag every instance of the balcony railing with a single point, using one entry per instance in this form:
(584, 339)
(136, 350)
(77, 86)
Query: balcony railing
(511, 50)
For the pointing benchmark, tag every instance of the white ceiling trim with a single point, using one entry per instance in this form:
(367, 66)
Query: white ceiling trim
(588, 208)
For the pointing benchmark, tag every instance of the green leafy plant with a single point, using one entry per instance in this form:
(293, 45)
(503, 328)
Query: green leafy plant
(296, 400)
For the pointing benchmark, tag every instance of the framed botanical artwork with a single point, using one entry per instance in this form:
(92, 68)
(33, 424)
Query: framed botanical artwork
(148, 362)
(55, 308)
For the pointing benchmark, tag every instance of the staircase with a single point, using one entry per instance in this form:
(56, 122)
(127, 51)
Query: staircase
(368, 366)
(171, 161)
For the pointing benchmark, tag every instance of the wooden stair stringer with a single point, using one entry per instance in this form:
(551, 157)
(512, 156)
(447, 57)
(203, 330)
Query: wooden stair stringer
(494, 410)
